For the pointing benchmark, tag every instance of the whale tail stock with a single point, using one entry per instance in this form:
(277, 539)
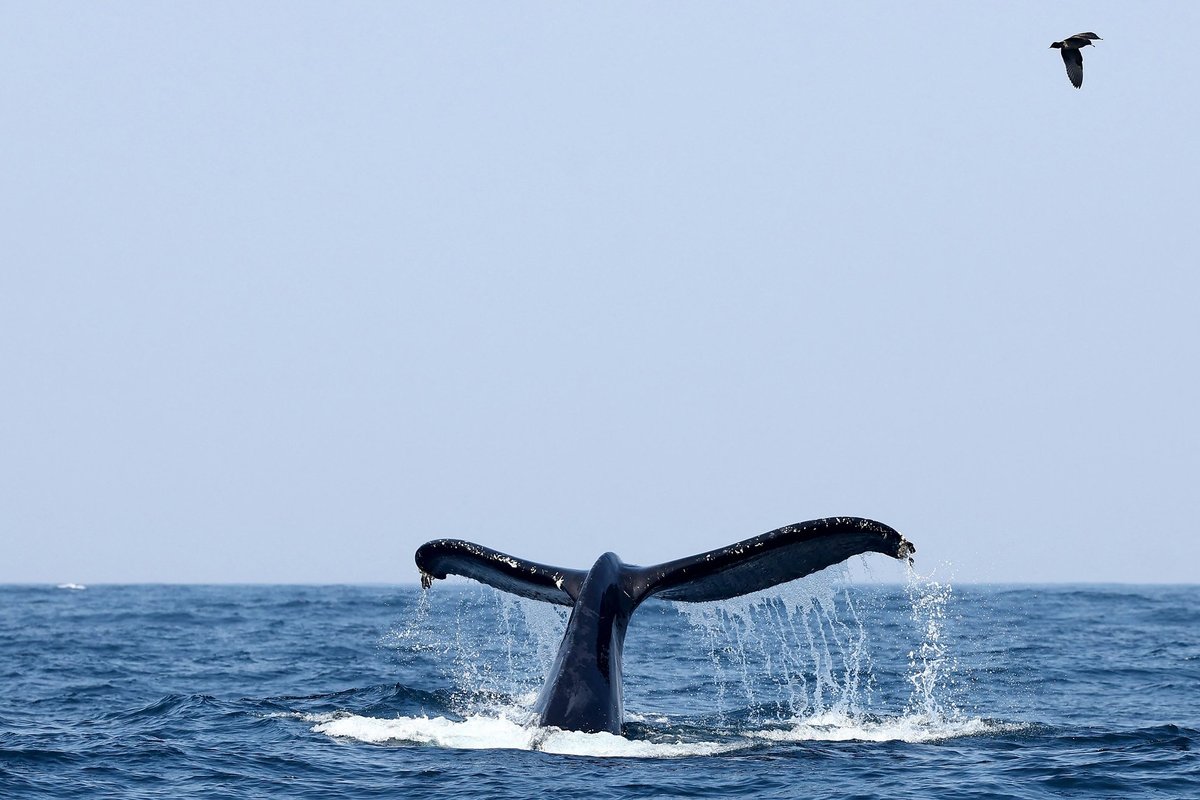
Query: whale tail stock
(772, 558)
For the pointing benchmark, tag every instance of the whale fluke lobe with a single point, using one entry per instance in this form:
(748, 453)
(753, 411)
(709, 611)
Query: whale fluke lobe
(583, 691)
(779, 556)
(443, 557)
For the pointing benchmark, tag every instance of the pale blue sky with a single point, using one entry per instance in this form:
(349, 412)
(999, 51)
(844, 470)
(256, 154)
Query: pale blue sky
(289, 288)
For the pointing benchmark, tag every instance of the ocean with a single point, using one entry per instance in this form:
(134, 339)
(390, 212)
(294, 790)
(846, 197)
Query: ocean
(820, 688)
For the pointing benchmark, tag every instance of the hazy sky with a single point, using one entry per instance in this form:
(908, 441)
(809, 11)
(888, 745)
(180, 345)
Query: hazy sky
(287, 289)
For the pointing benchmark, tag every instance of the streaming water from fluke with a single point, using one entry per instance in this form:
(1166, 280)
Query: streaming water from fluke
(813, 660)
(803, 655)
(784, 653)
(931, 666)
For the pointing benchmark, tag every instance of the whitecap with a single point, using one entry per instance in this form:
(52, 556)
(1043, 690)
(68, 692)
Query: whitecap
(486, 732)
(912, 728)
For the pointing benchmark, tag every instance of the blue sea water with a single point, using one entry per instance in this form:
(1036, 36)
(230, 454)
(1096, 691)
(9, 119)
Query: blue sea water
(822, 688)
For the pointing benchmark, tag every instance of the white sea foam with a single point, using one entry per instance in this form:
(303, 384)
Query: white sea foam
(479, 732)
(484, 733)
(76, 586)
(912, 728)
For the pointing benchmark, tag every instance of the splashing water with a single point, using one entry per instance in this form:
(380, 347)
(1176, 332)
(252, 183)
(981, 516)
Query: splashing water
(808, 643)
(495, 648)
(508, 667)
(412, 636)
(790, 664)
(931, 667)
(795, 650)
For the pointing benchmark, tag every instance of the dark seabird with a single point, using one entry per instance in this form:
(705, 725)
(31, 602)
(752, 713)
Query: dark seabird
(1072, 57)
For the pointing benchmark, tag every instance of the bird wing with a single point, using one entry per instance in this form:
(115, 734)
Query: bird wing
(1074, 61)
(1088, 35)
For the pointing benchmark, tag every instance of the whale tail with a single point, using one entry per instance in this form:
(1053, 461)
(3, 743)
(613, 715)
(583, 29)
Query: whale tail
(772, 558)
(583, 690)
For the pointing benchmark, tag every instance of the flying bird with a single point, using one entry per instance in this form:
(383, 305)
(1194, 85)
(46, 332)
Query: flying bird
(1072, 57)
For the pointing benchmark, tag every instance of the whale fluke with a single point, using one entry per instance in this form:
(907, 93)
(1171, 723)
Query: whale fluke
(583, 691)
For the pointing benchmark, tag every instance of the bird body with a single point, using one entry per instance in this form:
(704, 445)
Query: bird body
(1072, 57)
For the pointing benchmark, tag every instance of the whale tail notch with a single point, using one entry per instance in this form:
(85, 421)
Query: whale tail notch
(751, 565)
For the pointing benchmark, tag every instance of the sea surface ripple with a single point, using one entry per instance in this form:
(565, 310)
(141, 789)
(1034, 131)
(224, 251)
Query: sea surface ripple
(823, 688)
